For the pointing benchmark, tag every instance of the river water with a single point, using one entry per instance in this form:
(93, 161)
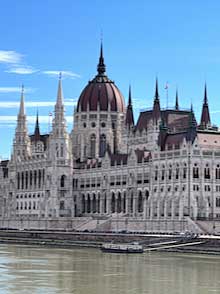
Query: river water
(43, 270)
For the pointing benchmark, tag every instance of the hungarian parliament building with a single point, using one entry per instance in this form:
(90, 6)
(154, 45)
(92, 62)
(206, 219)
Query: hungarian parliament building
(164, 167)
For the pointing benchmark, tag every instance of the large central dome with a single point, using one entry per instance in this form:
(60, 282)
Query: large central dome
(101, 91)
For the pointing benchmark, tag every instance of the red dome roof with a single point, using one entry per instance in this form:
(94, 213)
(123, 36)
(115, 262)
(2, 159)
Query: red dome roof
(101, 91)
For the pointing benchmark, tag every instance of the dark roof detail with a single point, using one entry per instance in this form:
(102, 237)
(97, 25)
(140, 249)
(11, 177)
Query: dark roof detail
(129, 114)
(156, 106)
(42, 138)
(205, 117)
(101, 92)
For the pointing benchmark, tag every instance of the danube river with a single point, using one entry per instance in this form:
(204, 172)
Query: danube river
(43, 270)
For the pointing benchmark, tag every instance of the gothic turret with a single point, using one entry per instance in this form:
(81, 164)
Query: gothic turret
(101, 65)
(129, 113)
(21, 145)
(205, 117)
(156, 106)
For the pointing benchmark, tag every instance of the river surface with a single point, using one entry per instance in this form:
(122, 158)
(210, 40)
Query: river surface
(44, 270)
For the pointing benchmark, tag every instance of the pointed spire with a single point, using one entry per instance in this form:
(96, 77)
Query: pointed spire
(101, 66)
(205, 116)
(60, 91)
(21, 110)
(192, 119)
(37, 129)
(156, 90)
(129, 113)
(205, 95)
(156, 106)
(177, 100)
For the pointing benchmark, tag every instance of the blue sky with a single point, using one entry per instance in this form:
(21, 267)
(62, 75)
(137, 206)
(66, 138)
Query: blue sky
(178, 41)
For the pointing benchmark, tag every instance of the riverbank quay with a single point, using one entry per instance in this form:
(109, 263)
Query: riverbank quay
(151, 242)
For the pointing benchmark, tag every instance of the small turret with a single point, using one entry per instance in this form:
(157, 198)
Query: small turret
(129, 113)
(156, 106)
(205, 117)
(101, 65)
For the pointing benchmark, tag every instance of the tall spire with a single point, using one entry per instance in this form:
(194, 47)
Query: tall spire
(177, 101)
(21, 110)
(129, 113)
(156, 106)
(205, 117)
(37, 129)
(101, 65)
(60, 91)
(156, 90)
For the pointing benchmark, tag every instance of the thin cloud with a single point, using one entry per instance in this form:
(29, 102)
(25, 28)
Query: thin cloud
(34, 104)
(43, 119)
(65, 74)
(22, 70)
(15, 90)
(11, 57)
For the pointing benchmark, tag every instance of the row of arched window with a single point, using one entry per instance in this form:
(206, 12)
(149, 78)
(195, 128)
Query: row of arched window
(207, 172)
(102, 145)
(30, 179)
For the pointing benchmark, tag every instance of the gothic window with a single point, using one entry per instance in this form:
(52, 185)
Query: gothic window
(94, 204)
(22, 180)
(39, 178)
(119, 203)
(177, 172)
(92, 145)
(195, 171)
(34, 205)
(102, 145)
(35, 178)
(156, 173)
(18, 181)
(57, 150)
(170, 172)
(207, 172)
(30, 178)
(217, 202)
(124, 202)
(62, 181)
(105, 204)
(62, 206)
(88, 204)
(146, 194)
(29, 206)
(61, 150)
(163, 173)
(217, 172)
(140, 202)
(184, 171)
(113, 203)
(83, 204)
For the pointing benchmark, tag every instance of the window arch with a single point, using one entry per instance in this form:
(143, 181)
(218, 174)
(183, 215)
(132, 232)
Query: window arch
(92, 145)
(102, 145)
(140, 202)
(62, 181)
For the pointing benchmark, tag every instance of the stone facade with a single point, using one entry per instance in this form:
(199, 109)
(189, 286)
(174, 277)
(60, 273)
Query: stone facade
(165, 167)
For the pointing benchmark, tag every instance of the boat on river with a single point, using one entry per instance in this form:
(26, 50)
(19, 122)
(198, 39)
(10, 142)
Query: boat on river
(122, 248)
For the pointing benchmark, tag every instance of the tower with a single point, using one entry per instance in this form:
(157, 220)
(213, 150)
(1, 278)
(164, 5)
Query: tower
(21, 144)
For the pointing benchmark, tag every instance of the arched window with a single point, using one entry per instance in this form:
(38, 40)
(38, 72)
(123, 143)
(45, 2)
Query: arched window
(62, 181)
(195, 171)
(92, 145)
(83, 204)
(113, 203)
(102, 146)
(207, 172)
(61, 150)
(88, 204)
(119, 203)
(217, 172)
(94, 204)
(140, 202)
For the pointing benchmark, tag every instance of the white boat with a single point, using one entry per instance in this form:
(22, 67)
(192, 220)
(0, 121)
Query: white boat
(122, 248)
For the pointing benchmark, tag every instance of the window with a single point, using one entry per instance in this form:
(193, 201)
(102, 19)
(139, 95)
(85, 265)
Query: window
(102, 145)
(217, 202)
(195, 171)
(217, 172)
(93, 145)
(207, 172)
(62, 181)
